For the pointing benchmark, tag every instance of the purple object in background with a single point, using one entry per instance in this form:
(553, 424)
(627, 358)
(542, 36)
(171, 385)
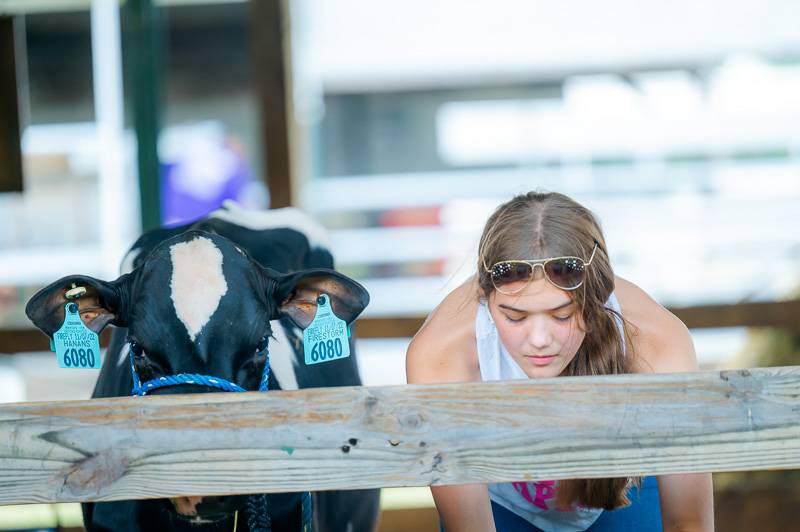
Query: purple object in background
(202, 168)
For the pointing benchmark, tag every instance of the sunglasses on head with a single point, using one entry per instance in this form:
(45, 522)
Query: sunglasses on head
(566, 273)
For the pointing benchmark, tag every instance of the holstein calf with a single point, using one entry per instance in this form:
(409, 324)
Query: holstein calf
(216, 297)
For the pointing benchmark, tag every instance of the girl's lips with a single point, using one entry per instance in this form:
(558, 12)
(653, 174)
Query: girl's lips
(540, 360)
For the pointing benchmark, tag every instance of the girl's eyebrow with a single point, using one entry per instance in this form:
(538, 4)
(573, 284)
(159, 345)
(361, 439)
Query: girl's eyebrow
(514, 309)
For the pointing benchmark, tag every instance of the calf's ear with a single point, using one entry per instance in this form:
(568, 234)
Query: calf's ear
(101, 303)
(295, 295)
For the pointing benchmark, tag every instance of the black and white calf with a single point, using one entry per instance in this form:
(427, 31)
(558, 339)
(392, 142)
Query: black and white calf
(212, 298)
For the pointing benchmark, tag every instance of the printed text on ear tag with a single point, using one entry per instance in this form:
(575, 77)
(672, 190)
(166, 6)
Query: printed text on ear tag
(76, 345)
(326, 338)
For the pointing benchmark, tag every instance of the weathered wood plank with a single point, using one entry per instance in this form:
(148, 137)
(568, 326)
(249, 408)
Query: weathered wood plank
(109, 449)
(784, 314)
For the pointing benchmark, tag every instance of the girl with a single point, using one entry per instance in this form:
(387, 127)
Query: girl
(544, 303)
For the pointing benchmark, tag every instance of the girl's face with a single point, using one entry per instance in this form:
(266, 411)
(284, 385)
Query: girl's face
(540, 326)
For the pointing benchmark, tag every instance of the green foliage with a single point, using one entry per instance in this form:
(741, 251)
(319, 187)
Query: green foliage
(773, 347)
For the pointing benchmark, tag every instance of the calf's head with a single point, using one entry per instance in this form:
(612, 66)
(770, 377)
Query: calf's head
(199, 304)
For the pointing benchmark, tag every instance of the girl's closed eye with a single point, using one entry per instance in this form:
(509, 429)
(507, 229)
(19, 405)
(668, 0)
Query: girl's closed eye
(563, 318)
(514, 319)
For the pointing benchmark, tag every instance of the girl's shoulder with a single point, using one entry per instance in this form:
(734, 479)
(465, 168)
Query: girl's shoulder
(661, 342)
(444, 349)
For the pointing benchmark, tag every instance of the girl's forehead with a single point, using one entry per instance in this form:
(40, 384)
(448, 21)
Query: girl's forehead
(538, 296)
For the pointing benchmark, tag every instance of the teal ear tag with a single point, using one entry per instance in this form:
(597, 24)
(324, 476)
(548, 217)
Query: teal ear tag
(76, 345)
(325, 339)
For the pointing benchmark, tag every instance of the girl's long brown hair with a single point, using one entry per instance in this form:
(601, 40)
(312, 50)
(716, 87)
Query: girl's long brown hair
(538, 225)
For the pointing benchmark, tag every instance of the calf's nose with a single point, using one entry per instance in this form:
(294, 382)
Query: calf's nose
(186, 506)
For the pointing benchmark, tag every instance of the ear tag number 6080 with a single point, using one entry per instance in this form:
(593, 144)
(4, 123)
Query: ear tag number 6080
(326, 338)
(76, 345)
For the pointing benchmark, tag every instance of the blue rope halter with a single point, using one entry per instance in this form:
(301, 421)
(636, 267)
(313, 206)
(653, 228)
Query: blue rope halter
(258, 513)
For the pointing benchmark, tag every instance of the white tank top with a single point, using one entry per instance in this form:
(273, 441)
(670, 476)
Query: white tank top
(533, 501)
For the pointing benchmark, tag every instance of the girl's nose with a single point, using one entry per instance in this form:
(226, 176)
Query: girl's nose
(539, 334)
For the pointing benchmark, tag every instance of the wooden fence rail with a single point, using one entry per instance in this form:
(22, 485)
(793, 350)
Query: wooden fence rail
(225, 443)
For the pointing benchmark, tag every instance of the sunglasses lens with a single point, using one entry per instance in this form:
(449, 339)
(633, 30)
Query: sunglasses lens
(566, 273)
(508, 273)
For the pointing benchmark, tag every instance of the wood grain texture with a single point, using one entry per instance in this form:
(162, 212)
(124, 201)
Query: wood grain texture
(357, 437)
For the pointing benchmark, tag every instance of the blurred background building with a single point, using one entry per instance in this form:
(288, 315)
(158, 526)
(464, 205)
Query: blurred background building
(407, 122)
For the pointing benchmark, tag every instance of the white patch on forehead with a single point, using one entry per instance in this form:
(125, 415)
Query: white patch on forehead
(288, 217)
(198, 282)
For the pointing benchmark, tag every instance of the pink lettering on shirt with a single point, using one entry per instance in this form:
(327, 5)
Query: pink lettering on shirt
(544, 491)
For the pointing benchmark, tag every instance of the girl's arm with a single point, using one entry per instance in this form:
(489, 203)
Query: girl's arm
(464, 508)
(662, 344)
(444, 350)
(686, 502)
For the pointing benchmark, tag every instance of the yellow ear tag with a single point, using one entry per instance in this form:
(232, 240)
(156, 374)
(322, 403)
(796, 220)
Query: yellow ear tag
(76, 345)
(325, 339)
